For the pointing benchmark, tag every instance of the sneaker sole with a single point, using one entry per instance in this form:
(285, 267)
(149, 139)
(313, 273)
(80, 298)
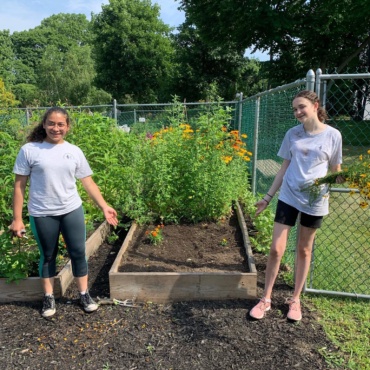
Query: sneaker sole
(48, 313)
(260, 318)
(89, 310)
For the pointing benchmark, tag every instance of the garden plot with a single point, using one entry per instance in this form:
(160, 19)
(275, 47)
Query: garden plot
(218, 265)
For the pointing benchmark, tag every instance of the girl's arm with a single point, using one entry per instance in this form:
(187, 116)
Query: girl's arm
(17, 225)
(263, 203)
(94, 193)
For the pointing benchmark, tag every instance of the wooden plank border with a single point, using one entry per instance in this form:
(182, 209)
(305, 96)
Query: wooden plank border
(165, 287)
(30, 289)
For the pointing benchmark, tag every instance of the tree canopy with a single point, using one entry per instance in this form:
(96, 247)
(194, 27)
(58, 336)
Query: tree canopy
(133, 51)
(315, 33)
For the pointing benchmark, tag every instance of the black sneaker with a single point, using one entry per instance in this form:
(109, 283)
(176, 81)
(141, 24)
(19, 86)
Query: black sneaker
(48, 306)
(88, 303)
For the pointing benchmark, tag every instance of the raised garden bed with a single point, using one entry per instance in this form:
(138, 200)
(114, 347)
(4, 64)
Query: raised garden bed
(30, 289)
(163, 286)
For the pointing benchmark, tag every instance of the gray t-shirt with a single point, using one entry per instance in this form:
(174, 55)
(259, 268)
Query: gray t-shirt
(53, 169)
(310, 157)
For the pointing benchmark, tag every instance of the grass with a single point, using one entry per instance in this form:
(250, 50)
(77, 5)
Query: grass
(353, 132)
(346, 322)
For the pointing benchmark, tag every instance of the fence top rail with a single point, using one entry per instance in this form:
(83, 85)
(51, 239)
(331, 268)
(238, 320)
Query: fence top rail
(347, 76)
(64, 107)
(170, 104)
(279, 88)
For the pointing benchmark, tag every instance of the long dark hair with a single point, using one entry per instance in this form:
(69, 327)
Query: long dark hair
(38, 134)
(313, 98)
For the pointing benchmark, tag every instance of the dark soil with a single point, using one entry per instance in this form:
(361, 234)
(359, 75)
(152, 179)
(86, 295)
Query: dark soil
(186, 335)
(207, 246)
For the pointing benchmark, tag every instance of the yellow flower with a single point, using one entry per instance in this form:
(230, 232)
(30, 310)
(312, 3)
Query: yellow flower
(244, 136)
(364, 205)
(227, 159)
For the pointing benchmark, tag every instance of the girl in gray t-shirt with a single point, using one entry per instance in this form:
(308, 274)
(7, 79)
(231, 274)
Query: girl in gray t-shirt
(309, 151)
(52, 166)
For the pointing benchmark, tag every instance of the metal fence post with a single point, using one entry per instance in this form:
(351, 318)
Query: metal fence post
(255, 145)
(240, 112)
(310, 80)
(27, 117)
(115, 110)
(318, 82)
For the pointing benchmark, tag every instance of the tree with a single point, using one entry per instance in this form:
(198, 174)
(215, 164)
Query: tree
(53, 62)
(133, 51)
(7, 58)
(60, 30)
(200, 65)
(320, 33)
(66, 76)
(7, 99)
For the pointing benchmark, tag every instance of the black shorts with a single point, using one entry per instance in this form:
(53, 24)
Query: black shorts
(287, 215)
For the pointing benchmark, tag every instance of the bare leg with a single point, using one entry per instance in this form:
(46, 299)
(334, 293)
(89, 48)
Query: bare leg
(279, 241)
(47, 285)
(305, 243)
(82, 283)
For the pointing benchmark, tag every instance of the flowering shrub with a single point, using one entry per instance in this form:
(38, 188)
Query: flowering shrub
(186, 172)
(357, 175)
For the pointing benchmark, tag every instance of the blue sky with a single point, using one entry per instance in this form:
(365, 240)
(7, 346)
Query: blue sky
(20, 15)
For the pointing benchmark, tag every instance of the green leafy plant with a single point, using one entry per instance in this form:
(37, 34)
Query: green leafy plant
(223, 242)
(263, 224)
(155, 236)
(19, 257)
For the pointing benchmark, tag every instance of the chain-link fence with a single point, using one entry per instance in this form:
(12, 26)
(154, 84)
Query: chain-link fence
(152, 117)
(129, 117)
(341, 255)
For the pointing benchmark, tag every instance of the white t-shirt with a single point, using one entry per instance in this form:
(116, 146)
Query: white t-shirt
(310, 157)
(53, 169)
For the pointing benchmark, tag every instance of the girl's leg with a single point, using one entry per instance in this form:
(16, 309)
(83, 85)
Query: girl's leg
(304, 251)
(74, 234)
(279, 242)
(46, 231)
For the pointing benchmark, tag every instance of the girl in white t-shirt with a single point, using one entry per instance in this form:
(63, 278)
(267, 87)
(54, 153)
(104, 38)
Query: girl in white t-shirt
(52, 166)
(309, 150)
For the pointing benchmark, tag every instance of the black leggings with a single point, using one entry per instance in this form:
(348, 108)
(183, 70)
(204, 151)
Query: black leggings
(47, 230)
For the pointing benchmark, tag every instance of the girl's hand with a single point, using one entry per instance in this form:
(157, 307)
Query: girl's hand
(261, 206)
(340, 179)
(18, 229)
(110, 215)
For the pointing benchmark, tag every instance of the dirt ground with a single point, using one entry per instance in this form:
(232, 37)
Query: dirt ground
(186, 335)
